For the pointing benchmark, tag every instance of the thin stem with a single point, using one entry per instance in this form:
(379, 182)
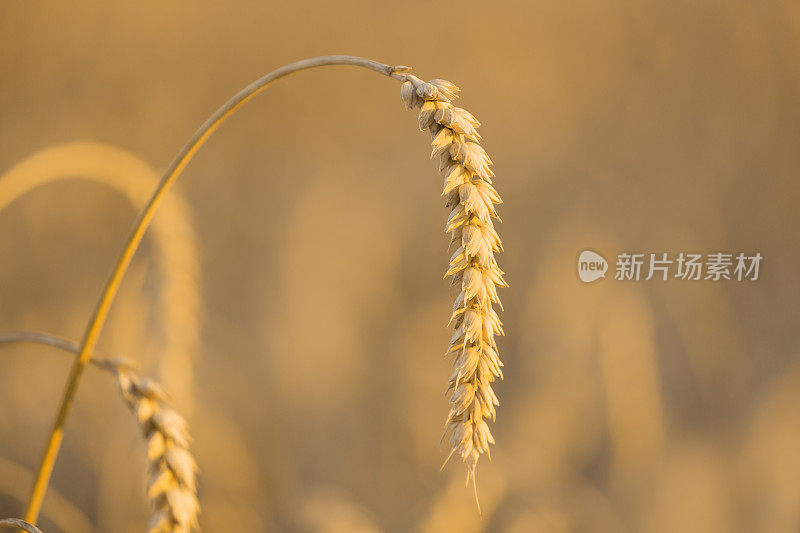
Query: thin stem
(100, 314)
(40, 338)
(47, 339)
(21, 524)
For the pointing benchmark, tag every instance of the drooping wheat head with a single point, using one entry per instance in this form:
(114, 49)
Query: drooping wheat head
(471, 198)
(172, 468)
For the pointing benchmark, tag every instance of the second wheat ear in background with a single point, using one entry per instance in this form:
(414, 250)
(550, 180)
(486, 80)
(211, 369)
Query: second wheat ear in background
(471, 199)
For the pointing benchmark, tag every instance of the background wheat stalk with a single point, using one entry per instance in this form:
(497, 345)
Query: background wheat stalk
(172, 469)
(173, 237)
(473, 267)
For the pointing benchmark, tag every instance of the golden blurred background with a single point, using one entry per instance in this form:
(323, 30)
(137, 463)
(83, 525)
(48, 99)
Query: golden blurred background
(290, 295)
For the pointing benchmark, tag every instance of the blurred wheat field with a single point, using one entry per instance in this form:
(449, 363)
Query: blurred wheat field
(307, 355)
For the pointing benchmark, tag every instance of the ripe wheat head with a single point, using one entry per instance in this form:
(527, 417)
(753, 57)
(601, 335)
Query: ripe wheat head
(473, 267)
(171, 486)
(172, 469)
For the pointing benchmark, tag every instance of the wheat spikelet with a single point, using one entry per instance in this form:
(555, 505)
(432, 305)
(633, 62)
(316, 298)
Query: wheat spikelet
(471, 198)
(171, 485)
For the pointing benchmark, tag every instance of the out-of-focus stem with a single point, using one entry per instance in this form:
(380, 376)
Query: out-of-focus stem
(36, 337)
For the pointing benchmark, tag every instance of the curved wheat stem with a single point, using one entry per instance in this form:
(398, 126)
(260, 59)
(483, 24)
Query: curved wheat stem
(93, 329)
(176, 257)
(471, 199)
(171, 483)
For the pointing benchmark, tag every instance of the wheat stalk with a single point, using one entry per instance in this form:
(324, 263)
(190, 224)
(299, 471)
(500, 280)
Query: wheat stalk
(473, 267)
(171, 486)
(109, 292)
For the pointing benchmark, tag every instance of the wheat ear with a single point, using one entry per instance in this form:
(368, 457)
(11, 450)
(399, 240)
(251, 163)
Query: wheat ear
(473, 267)
(171, 485)
(172, 469)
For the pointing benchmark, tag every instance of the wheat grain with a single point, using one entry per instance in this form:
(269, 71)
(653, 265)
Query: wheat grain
(473, 267)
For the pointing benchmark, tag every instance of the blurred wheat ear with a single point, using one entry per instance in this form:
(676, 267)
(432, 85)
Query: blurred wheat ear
(471, 199)
(174, 240)
(171, 483)
(172, 469)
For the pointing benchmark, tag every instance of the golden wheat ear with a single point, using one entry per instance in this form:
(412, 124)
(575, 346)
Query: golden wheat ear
(172, 469)
(471, 198)
(171, 485)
